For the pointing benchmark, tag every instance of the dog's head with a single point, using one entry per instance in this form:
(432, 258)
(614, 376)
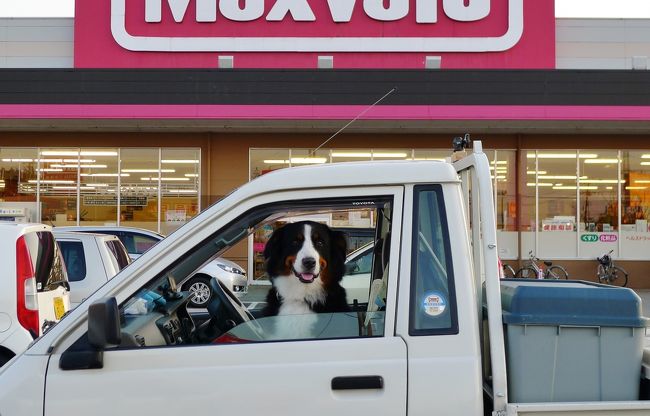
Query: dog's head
(307, 251)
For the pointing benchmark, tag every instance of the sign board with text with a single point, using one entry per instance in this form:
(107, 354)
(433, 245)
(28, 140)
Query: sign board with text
(293, 33)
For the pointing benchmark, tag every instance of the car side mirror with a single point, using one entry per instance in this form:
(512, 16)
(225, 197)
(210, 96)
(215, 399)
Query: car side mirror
(104, 324)
(351, 268)
(103, 331)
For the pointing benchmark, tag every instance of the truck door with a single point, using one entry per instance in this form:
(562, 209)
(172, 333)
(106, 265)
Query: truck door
(440, 327)
(354, 365)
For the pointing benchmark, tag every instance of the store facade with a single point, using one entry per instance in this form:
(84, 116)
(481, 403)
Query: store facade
(130, 136)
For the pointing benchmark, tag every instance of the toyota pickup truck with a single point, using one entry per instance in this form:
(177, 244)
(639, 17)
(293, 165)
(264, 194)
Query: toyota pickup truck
(439, 333)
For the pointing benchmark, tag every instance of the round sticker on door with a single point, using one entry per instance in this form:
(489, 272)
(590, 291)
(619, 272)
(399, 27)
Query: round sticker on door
(434, 304)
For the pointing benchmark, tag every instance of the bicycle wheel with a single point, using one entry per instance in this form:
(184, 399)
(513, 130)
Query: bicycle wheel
(617, 277)
(508, 271)
(526, 273)
(556, 272)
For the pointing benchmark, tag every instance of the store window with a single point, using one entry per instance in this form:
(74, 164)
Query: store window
(635, 205)
(556, 187)
(180, 169)
(503, 175)
(599, 189)
(18, 175)
(138, 191)
(58, 185)
(98, 186)
(266, 160)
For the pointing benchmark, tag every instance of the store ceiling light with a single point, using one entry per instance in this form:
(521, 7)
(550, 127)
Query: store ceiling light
(71, 188)
(437, 159)
(641, 181)
(308, 160)
(52, 181)
(18, 160)
(582, 188)
(389, 155)
(539, 172)
(601, 181)
(561, 155)
(50, 170)
(645, 163)
(77, 153)
(192, 175)
(108, 175)
(636, 188)
(186, 161)
(70, 165)
(602, 161)
(645, 156)
(539, 184)
(275, 162)
(560, 177)
(96, 185)
(171, 179)
(183, 191)
(498, 177)
(74, 160)
(351, 154)
(149, 170)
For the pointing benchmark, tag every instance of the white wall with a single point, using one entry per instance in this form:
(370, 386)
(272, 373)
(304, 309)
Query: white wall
(36, 43)
(581, 43)
(602, 43)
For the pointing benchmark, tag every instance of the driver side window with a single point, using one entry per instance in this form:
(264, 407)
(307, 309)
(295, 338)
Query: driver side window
(316, 286)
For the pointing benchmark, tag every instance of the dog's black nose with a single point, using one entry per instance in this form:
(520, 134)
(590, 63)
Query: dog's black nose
(309, 263)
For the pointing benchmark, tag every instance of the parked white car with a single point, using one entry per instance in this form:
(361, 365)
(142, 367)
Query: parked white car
(358, 267)
(91, 260)
(33, 285)
(139, 240)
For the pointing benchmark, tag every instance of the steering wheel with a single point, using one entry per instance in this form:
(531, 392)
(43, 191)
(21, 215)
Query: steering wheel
(224, 308)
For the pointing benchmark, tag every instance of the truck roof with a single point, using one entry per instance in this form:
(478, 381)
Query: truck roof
(395, 172)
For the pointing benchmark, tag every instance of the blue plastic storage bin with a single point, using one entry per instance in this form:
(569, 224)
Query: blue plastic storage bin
(571, 341)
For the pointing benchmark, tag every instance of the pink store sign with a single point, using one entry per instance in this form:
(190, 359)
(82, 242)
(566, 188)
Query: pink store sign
(294, 33)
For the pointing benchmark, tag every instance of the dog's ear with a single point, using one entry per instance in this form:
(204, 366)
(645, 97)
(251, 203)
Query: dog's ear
(272, 251)
(339, 244)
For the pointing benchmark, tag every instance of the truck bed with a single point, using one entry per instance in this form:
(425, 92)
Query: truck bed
(629, 408)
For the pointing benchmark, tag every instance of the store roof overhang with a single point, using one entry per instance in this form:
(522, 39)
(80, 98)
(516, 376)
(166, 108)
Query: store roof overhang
(383, 101)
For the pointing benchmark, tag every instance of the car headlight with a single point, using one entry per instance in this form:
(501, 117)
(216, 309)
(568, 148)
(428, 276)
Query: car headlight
(231, 269)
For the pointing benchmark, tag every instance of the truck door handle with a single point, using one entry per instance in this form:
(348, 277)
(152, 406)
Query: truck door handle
(357, 382)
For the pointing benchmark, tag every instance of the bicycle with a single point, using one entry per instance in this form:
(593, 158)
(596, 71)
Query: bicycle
(507, 271)
(610, 274)
(533, 270)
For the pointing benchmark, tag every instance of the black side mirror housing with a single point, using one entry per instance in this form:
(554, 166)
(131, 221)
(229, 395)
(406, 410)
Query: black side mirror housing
(103, 331)
(104, 324)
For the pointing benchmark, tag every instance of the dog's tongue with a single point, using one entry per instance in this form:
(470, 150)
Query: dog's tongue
(307, 277)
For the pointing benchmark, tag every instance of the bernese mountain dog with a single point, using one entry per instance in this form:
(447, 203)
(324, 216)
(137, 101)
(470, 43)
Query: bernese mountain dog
(305, 262)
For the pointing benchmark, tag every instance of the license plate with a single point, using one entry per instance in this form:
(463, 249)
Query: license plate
(59, 307)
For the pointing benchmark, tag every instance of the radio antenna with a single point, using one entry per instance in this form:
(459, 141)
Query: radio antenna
(354, 119)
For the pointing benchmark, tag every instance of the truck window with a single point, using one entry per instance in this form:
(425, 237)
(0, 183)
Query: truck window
(75, 261)
(433, 302)
(332, 303)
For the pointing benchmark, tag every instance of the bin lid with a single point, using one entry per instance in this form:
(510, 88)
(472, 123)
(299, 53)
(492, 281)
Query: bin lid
(569, 302)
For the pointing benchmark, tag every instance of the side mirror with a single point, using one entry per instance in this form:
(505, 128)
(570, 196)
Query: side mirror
(104, 324)
(103, 331)
(351, 268)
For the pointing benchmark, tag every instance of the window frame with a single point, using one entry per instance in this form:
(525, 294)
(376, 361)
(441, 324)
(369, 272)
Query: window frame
(453, 328)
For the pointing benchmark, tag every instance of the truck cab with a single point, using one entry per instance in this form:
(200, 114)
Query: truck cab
(415, 345)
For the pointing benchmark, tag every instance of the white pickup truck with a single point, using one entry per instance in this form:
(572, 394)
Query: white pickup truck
(430, 340)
